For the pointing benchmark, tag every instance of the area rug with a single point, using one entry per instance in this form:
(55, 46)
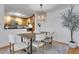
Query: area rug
(55, 48)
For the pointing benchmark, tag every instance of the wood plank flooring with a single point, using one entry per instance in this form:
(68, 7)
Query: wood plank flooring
(73, 50)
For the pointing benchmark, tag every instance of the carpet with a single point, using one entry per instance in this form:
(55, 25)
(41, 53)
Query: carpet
(55, 48)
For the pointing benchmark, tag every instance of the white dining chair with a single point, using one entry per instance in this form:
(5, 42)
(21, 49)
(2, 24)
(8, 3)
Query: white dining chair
(39, 43)
(49, 37)
(16, 46)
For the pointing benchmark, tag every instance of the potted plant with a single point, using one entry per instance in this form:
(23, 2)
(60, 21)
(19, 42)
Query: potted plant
(71, 21)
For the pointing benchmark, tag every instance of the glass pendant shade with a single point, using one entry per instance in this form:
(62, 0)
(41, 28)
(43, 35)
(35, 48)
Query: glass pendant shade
(41, 14)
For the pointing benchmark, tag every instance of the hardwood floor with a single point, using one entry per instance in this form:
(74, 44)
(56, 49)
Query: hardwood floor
(73, 50)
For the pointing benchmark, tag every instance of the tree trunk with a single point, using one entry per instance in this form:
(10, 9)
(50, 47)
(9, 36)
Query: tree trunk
(72, 37)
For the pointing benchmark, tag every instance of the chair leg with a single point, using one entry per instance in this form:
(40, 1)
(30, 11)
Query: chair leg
(42, 50)
(28, 50)
(12, 50)
(43, 47)
(37, 50)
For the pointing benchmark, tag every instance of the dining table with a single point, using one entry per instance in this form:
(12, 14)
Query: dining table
(29, 36)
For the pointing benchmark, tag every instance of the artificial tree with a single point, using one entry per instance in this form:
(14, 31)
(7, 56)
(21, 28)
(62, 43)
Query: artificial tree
(71, 21)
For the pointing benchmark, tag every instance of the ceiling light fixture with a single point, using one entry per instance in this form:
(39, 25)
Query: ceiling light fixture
(41, 14)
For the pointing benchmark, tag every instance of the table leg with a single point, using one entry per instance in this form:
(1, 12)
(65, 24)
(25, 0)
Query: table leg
(31, 46)
(51, 39)
(21, 39)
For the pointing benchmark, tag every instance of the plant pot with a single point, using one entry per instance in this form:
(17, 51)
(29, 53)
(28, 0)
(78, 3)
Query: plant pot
(72, 44)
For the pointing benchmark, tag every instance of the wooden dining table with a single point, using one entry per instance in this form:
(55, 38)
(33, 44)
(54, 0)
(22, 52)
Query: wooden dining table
(28, 36)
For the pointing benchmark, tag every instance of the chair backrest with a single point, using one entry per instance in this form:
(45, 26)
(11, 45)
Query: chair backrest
(11, 39)
(40, 37)
(14, 38)
(49, 35)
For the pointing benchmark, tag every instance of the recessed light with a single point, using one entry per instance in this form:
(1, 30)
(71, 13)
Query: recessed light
(16, 14)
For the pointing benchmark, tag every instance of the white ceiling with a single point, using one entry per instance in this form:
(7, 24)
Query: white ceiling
(29, 9)
(45, 7)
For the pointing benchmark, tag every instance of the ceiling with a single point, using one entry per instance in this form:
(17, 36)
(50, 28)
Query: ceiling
(29, 9)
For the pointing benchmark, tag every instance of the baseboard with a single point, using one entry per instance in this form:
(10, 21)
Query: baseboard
(60, 42)
(3, 46)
